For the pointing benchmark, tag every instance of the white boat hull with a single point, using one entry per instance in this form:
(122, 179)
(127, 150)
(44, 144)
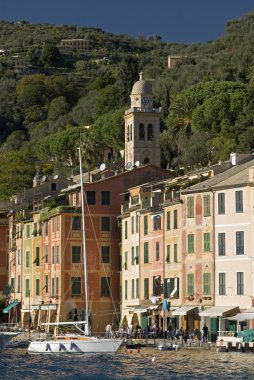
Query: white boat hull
(5, 338)
(75, 346)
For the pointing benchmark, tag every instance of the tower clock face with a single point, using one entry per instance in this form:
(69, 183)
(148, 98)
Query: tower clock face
(145, 101)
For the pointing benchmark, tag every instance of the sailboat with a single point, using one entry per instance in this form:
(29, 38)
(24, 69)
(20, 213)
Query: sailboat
(5, 338)
(81, 342)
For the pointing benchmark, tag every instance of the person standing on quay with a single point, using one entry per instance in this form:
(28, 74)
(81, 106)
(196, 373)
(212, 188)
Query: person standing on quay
(205, 333)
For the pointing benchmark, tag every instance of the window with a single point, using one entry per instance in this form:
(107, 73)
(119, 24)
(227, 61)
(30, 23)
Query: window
(240, 283)
(52, 286)
(37, 257)
(146, 288)
(191, 243)
(76, 286)
(133, 288)
(46, 253)
(19, 283)
(175, 220)
(91, 197)
(137, 254)
(145, 225)
(57, 286)
(105, 223)
(168, 254)
(37, 287)
(222, 284)
(190, 284)
(175, 253)
(156, 285)
(221, 244)
(19, 256)
(126, 289)
(27, 259)
(125, 260)
(27, 288)
(28, 231)
(157, 251)
(76, 223)
(206, 283)
(46, 228)
(57, 223)
(13, 285)
(105, 286)
(53, 186)
(76, 254)
(53, 255)
(239, 201)
(126, 229)
(132, 256)
(168, 220)
(240, 242)
(150, 132)
(141, 132)
(57, 254)
(146, 253)
(35, 229)
(137, 288)
(221, 203)
(190, 207)
(206, 202)
(132, 224)
(207, 245)
(137, 223)
(157, 223)
(105, 198)
(171, 286)
(46, 283)
(105, 254)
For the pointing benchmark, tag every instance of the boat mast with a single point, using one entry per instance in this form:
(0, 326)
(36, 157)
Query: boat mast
(84, 239)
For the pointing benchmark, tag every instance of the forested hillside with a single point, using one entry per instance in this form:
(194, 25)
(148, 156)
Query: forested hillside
(49, 94)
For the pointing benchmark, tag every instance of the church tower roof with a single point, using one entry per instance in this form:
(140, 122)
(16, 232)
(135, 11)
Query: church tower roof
(141, 86)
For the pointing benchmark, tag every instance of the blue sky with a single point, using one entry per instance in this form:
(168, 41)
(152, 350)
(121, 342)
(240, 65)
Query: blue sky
(174, 20)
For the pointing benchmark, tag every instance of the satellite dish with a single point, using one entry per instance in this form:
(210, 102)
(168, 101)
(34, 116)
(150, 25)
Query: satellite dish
(137, 164)
(128, 166)
(102, 167)
(55, 176)
(44, 178)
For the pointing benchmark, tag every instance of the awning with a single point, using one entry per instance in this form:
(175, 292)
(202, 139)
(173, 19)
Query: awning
(140, 310)
(11, 306)
(219, 311)
(240, 317)
(183, 310)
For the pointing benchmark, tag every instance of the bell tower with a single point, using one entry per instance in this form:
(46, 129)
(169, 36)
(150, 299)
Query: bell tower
(142, 126)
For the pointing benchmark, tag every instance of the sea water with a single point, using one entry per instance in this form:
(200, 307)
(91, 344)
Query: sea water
(147, 364)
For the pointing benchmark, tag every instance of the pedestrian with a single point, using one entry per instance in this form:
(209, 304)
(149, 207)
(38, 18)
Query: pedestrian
(109, 331)
(205, 333)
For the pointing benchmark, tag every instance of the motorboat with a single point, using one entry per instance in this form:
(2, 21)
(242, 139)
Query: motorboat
(168, 346)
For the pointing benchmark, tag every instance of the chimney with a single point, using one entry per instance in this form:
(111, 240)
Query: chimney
(233, 159)
(251, 174)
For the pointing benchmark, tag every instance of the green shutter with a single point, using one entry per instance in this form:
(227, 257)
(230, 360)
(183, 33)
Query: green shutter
(37, 286)
(145, 225)
(207, 283)
(190, 284)
(207, 247)
(146, 288)
(191, 243)
(146, 253)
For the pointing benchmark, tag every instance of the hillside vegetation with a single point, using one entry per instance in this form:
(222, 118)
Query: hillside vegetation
(49, 94)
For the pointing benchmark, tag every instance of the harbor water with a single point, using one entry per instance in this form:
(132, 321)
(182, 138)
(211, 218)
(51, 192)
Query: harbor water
(16, 363)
